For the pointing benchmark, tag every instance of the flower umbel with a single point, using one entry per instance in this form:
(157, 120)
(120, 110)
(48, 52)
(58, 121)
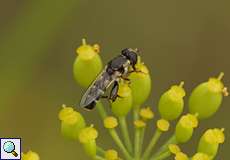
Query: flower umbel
(132, 92)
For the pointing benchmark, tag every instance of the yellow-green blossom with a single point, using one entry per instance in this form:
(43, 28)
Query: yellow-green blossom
(181, 156)
(171, 103)
(163, 125)
(209, 142)
(206, 98)
(87, 64)
(201, 156)
(71, 122)
(146, 113)
(110, 122)
(140, 83)
(139, 123)
(173, 148)
(123, 104)
(111, 155)
(87, 134)
(185, 127)
(30, 155)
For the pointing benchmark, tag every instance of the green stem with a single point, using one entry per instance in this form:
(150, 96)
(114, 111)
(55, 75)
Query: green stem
(99, 158)
(125, 132)
(137, 136)
(152, 143)
(137, 144)
(100, 151)
(119, 143)
(171, 140)
(101, 110)
(142, 139)
(162, 156)
(136, 113)
(113, 132)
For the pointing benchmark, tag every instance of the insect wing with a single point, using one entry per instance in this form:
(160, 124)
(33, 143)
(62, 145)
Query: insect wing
(96, 89)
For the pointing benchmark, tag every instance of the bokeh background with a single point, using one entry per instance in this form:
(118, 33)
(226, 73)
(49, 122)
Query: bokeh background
(179, 40)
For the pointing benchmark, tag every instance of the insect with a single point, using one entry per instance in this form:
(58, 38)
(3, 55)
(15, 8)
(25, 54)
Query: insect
(116, 69)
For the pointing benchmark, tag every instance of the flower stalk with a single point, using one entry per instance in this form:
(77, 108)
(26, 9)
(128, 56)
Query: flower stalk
(125, 132)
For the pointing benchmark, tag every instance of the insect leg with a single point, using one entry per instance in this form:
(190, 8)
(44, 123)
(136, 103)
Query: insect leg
(104, 97)
(113, 94)
(137, 71)
(126, 79)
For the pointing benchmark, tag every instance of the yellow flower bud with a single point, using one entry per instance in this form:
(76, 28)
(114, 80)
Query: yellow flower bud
(139, 123)
(123, 105)
(71, 122)
(90, 148)
(214, 135)
(140, 83)
(209, 142)
(189, 121)
(68, 115)
(30, 156)
(206, 98)
(110, 122)
(163, 125)
(185, 127)
(171, 103)
(87, 134)
(111, 155)
(201, 156)
(87, 64)
(173, 148)
(181, 156)
(86, 51)
(146, 113)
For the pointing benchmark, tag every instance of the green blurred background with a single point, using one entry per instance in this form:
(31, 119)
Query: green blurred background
(179, 40)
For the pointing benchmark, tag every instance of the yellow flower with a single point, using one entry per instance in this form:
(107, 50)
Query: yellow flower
(146, 113)
(141, 83)
(139, 123)
(87, 64)
(215, 84)
(189, 121)
(111, 155)
(201, 156)
(214, 135)
(86, 51)
(30, 156)
(124, 89)
(177, 92)
(110, 122)
(181, 156)
(68, 115)
(163, 125)
(87, 134)
(174, 148)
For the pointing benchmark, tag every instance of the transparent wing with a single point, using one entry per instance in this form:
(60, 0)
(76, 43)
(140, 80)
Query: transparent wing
(97, 88)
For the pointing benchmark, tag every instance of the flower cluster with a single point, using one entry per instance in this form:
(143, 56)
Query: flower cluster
(204, 101)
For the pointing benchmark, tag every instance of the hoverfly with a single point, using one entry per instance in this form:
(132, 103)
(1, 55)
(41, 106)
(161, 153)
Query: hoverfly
(116, 69)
